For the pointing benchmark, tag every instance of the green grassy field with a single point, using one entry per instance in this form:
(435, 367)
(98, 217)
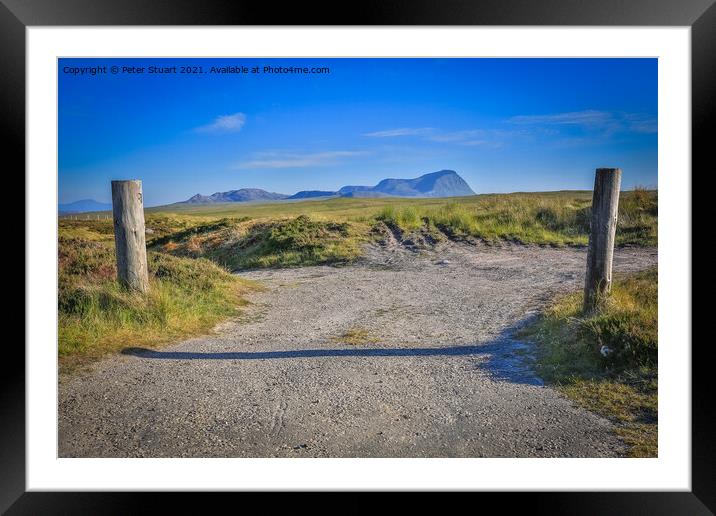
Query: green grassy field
(607, 361)
(192, 248)
(331, 231)
(558, 218)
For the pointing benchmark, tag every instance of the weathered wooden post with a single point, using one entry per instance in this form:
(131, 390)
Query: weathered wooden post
(605, 207)
(130, 246)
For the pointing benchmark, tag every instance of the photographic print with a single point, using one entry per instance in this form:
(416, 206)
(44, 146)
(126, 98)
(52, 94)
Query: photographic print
(357, 257)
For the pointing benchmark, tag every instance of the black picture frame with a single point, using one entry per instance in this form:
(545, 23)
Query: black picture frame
(16, 15)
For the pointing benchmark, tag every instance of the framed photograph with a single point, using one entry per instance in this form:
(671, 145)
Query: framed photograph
(429, 248)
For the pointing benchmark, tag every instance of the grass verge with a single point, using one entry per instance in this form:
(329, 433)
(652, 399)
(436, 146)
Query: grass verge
(607, 361)
(97, 315)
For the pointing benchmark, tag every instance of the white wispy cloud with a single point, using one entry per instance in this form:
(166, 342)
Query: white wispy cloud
(403, 131)
(596, 126)
(294, 160)
(224, 124)
(475, 143)
(640, 123)
(583, 118)
(469, 137)
(593, 120)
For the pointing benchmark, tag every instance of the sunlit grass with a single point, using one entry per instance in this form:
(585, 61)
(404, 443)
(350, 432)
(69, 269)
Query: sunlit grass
(528, 218)
(607, 361)
(355, 336)
(544, 218)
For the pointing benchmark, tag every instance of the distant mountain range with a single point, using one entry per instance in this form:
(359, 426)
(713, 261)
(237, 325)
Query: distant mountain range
(242, 195)
(445, 183)
(83, 206)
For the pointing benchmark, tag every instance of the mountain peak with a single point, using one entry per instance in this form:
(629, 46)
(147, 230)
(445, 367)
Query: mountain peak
(444, 172)
(443, 183)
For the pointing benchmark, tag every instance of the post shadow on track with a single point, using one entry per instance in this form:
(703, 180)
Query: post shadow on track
(304, 353)
(502, 358)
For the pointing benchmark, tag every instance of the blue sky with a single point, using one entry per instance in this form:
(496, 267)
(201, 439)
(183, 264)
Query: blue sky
(503, 124)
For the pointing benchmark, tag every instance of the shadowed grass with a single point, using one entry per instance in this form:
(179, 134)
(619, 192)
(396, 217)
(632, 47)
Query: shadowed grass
(607, 361)
(270, 243)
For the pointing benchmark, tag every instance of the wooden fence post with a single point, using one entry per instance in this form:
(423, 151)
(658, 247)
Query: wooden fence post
(605, 207)
(130, 245)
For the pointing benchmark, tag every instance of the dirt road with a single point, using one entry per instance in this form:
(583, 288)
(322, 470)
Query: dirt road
(402, 355)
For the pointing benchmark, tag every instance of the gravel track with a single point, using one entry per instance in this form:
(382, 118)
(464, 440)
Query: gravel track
(438, 375)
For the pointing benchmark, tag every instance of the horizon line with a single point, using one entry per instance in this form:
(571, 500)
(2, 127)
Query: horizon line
(313, 199)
